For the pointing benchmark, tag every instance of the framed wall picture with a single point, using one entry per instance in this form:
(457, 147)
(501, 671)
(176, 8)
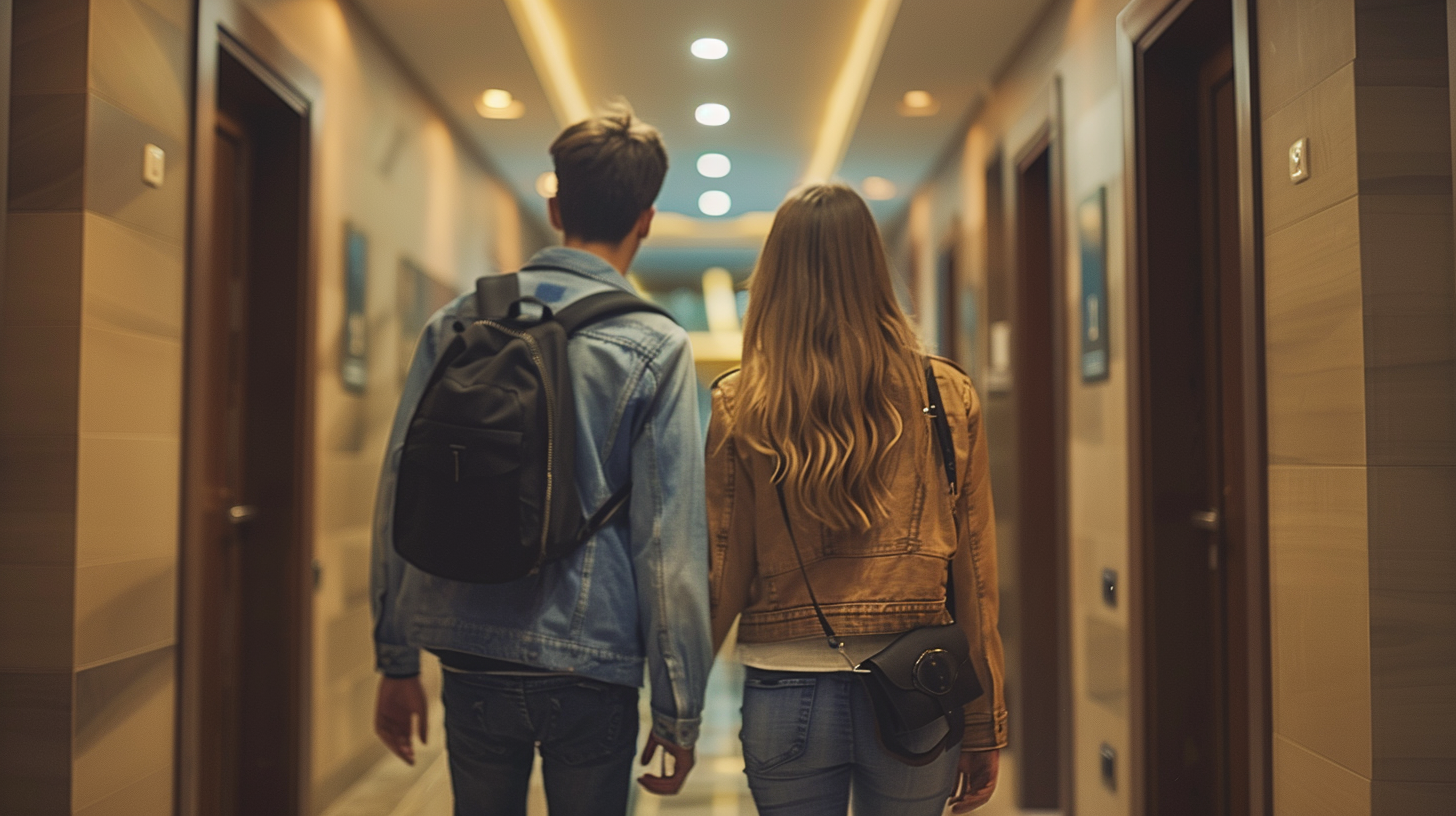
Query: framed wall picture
(1092, 240)
(354, 340)
(417, 297)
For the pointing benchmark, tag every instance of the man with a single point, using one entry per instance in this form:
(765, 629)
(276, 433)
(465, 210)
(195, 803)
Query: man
(554, 660)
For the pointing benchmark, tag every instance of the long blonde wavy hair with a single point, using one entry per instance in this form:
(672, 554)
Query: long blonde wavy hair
(828, 355)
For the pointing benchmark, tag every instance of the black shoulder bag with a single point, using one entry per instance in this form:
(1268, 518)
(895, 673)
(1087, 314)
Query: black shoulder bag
(926, 673)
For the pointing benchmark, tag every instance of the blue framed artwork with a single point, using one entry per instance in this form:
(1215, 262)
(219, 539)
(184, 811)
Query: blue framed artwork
(354, 340)
(1092, 240)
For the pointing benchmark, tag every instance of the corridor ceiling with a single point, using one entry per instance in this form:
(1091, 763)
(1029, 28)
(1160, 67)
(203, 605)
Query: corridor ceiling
(784, 60)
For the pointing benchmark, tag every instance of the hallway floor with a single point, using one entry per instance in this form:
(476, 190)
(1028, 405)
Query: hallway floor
(717, 786)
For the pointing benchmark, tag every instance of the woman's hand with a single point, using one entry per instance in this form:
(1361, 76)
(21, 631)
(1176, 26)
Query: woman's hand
(977, 780)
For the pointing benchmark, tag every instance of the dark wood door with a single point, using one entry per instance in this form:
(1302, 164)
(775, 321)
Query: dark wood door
(1194, 499)
(248, 487)
(1037, 701)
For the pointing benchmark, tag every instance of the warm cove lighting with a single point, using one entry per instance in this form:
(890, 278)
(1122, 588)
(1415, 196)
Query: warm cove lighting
(715, 202)
(712, 114)
(546, 184)
(918, 103)
(709, 48)
(498, 104)
(877, 188)
(714, 165)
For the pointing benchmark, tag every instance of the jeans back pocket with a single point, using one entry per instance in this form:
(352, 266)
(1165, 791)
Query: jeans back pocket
(777, 707)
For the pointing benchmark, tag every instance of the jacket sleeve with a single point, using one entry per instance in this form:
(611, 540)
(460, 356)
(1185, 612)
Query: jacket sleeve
(730, 519)
(393, 656)
(976, 585)
(670, 545)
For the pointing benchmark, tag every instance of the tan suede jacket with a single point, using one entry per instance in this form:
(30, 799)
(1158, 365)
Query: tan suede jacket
(885, 581)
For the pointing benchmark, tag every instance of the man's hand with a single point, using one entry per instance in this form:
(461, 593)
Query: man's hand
(977, 780)
(682, 762)
(399, 707)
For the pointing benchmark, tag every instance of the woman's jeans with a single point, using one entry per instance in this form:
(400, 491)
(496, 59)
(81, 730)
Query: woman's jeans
(809, 744)
(586, 731)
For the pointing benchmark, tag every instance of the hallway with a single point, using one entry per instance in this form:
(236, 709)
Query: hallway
(1197, 259)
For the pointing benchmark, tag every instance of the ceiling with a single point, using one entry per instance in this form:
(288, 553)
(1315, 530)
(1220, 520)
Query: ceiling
(784, 58)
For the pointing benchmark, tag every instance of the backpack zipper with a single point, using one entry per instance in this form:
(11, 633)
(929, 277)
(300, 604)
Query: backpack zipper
(550, 430)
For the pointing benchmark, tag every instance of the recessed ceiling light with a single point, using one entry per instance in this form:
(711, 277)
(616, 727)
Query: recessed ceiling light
(710, 48)
(714, 165)
(498, 104)
(546, 184)
(877, 188)
(715, 202)
(712, 114)
(918, 103)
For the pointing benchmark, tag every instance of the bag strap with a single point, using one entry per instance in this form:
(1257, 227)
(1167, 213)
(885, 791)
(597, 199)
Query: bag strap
(947, 456)
(594, 308)
(604, 514)
(834, 641)
(494, 295)
(936, 412)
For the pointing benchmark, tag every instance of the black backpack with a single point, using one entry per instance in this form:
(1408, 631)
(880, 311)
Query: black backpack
(487, 483)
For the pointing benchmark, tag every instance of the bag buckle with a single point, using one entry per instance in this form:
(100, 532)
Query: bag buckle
(935, 672)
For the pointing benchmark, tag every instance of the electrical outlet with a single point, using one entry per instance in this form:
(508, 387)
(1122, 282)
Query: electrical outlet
(154, 165)
(1299, 161)
(1108, 761)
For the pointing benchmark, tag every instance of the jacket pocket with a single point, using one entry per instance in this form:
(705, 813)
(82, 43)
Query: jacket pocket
(777, 708)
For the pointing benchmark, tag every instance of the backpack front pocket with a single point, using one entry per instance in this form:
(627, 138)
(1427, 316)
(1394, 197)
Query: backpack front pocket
(458, 512)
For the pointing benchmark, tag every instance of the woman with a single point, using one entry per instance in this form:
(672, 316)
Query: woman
(830, 405)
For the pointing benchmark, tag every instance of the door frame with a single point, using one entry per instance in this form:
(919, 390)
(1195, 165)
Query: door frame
(1039, 131)
(227, 25)
(1139, 26)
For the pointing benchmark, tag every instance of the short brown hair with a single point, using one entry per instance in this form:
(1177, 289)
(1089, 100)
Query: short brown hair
(609, 169)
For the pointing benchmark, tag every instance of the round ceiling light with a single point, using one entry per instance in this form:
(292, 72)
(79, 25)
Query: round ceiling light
(878, 188)
(715, 202)
(714, 165)
(918, 103)
(546, 184)
(710, 48)
(712, 114)
(498, 104)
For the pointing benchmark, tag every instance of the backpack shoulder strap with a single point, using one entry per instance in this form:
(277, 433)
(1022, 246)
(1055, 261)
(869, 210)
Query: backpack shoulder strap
(594, 308)
(494, 294)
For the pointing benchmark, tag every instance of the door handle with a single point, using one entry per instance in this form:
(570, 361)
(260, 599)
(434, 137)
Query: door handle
(1207, 520)
(241, 514)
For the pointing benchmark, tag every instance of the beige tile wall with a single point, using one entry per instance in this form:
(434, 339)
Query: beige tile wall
(91, 349)
(1362, 406)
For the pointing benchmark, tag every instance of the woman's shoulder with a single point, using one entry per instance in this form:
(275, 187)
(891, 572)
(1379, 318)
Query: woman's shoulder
(956, 385)
(724, 388)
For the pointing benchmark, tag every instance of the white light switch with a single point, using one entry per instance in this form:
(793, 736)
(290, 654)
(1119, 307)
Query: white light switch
(1299, 161)
(154, 165)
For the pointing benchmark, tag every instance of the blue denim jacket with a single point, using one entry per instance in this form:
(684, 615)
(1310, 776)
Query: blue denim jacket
(638, 592)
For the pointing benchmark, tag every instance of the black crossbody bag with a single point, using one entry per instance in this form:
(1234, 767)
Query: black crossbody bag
(925, 674)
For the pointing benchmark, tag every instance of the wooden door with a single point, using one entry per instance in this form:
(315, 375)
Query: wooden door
(247, 484)
(1038, 700)
(1195, 508)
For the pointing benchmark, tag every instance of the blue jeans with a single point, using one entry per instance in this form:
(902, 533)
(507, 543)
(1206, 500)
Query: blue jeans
(809, 744)
(586, 731)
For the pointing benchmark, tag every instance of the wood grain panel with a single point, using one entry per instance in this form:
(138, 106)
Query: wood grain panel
(42, 280)
(1301, 42)
(1318, 575)
(124, 724)
(1413, 799)
(1413, 622)
(1325, 115)
(49, 47)
(1307, 784)
(132, 518)
(139, 61)
(125, 608)
(35, 743)
(1315, 353)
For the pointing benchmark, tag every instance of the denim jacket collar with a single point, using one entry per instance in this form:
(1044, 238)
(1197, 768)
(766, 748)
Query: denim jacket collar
(577, 262)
